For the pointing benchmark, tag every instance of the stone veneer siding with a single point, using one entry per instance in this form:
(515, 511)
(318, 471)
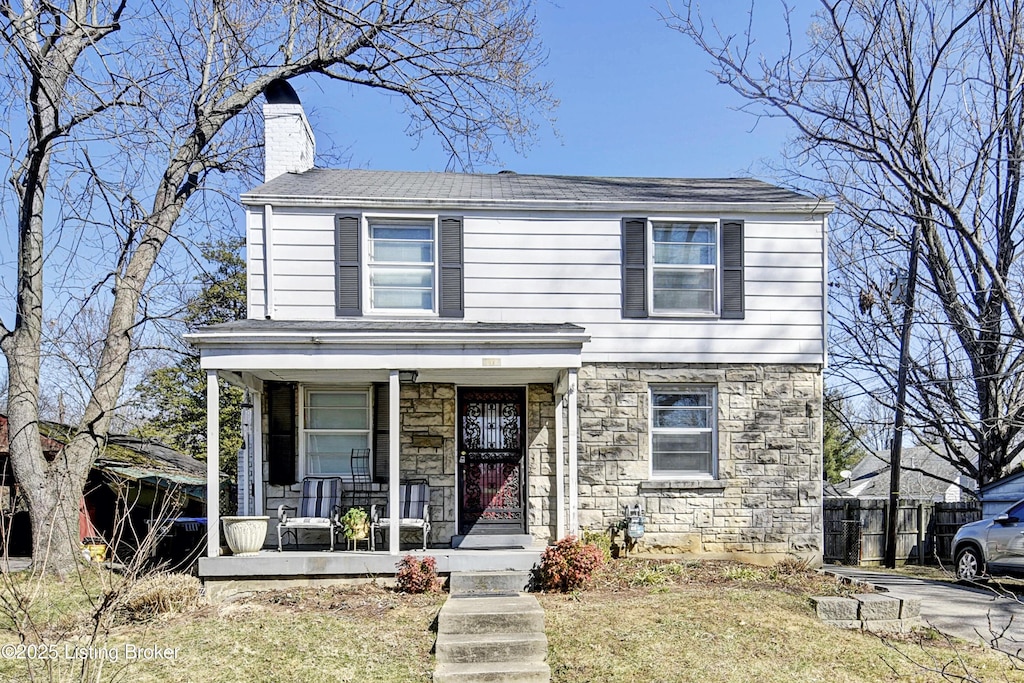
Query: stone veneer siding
(764, 505)
(766, 501)
(428, 451)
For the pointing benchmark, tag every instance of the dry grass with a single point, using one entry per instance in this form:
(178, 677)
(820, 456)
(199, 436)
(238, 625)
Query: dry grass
(639, 621)
(712, 621)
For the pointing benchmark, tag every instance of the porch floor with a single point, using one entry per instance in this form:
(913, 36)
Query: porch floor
(271, 568)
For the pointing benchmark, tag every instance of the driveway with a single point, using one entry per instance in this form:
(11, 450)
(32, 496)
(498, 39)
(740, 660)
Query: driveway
(973, 614)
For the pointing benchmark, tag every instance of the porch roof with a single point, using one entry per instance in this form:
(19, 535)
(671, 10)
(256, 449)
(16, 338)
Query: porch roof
(363, 348)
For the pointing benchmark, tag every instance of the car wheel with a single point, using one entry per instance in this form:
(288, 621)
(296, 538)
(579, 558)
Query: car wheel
(969, 564)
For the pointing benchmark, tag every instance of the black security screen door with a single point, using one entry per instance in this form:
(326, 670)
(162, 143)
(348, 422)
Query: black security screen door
(492, 482)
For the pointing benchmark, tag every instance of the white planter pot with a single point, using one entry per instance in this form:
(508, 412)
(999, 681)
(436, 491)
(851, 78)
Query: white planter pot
(245, 535)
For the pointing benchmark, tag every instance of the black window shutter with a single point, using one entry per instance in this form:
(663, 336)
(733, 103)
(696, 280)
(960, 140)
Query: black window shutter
(346, 240)
(381, 434)
(451, 300)
(281, 432)
(634, 267)
(732, 269)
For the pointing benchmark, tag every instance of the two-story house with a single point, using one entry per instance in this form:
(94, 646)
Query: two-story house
(543, 350)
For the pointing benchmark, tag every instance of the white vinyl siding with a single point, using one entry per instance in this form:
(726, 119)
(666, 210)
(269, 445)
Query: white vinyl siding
(566, 268)
(333, 423)
(683, 432)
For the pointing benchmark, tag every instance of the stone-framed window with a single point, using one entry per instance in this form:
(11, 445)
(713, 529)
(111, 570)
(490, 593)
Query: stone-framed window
(334, 421)
(683, 431)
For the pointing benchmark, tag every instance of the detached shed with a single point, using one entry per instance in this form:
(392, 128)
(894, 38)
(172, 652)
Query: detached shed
(132, 481)
(998, 495)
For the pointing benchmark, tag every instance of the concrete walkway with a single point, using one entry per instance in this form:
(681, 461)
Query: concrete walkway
(14, 564)
(975, 614)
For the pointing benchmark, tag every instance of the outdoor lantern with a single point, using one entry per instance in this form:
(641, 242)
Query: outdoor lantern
(635, 522)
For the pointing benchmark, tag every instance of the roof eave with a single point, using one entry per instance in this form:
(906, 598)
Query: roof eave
(385, 339)
(808, 206)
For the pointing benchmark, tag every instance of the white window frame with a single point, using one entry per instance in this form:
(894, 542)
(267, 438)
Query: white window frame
(712, 392)
(304, 469)
(715, 268)
(367, 220)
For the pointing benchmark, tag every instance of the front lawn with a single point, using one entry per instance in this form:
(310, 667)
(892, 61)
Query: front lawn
(640, 620)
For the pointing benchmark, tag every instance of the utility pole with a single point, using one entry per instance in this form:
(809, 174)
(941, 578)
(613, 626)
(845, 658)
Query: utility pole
(901, 398)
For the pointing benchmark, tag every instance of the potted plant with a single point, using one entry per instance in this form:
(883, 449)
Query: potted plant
(355, 524)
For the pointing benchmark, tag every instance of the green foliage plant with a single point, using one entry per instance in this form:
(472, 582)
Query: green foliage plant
(602, 539)
(355, 523)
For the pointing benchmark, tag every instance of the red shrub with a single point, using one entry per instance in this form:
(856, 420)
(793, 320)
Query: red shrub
(418, 575)
(567, 565)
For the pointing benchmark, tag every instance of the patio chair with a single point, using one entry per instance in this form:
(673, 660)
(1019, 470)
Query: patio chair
(362, 479)
(319, 508)
(414, 512)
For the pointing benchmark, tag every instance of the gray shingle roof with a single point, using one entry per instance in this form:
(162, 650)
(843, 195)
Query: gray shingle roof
(870, 476)
(354, 185)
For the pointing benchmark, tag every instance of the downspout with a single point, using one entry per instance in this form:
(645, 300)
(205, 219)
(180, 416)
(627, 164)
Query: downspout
(268, 260)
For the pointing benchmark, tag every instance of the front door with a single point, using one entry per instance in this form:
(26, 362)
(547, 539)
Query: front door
(492, 449)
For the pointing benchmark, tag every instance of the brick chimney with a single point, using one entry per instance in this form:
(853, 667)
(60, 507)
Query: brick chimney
(289, 146)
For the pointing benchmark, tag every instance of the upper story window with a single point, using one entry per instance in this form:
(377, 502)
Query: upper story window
(684, 261)
(681, 267)
(401, 265)
(683, 431)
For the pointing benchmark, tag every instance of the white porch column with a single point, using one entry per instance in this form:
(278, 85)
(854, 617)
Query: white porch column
(257, 452)
(394, 443)
(574, 482)
(212, 465)
(559, 464)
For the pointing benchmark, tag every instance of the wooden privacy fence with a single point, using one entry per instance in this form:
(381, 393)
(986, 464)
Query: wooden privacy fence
(855, 530)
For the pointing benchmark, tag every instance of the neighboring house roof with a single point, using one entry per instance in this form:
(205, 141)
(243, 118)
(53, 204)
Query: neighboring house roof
(1004, 482)
(367, 188)
(924, 475)
(126, 456)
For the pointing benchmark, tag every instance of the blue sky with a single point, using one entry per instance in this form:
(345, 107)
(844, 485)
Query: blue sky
(636, 100)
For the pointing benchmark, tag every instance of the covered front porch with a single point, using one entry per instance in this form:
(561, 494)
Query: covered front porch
(441, 398)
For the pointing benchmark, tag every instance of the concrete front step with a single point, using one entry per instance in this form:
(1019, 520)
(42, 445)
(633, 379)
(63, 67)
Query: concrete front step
(514, 614)
(488, 582)
(492, 541)
(493, 648)
(502, 672)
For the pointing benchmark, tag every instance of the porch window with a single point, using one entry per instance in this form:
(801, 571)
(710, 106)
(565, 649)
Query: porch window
(334, 422)
(401, 259)
(683, 432)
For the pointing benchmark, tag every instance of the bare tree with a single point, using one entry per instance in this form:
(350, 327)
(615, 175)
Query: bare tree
(128, 112)
(910, 112)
